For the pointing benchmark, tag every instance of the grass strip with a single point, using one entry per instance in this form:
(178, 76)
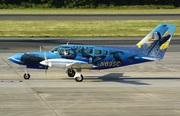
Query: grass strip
(89, 11)
(130, 28)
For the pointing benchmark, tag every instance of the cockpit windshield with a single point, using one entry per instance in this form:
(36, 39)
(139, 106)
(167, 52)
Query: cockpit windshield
(56, 50)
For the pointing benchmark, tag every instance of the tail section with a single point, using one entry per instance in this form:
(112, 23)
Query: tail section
(156, 42)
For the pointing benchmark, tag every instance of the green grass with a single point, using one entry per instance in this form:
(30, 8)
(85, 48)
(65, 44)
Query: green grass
(129, 28)
(76, 5)
(90, 11)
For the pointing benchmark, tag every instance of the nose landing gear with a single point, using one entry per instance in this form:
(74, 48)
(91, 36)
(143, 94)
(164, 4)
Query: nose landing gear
(26, 75)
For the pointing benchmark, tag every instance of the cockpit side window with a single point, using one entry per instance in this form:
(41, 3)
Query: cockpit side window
(66, 47)
(97, 51)
(65, 52)
(55, 50)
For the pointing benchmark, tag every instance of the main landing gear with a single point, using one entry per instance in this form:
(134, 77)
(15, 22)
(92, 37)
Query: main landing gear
(26, 75)
(71, 72)
(77, 75)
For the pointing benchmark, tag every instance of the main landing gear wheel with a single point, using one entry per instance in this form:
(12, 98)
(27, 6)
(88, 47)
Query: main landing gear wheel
(79, 78)
(71, 72)
(26, 76)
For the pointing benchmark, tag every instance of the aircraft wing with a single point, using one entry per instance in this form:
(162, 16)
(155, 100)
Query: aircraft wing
(66, 63)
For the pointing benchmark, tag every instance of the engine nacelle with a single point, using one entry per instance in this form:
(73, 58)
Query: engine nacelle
(66, 63)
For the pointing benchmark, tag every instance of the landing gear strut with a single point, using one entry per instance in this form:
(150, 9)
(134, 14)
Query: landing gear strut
(78, 76)
(71, 72)
(26, 75)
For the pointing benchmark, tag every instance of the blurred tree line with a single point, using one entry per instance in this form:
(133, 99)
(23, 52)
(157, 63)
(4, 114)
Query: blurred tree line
(83, 3)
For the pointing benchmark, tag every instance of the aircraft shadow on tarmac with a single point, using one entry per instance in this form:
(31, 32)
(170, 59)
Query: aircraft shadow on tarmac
(118, 77)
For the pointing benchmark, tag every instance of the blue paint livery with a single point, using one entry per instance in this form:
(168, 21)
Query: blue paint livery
(152, 47)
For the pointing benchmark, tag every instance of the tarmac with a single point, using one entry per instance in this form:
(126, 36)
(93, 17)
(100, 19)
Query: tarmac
(149, 89)
(89, 17)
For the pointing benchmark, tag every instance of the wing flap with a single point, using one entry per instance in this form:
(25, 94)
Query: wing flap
(79, 65)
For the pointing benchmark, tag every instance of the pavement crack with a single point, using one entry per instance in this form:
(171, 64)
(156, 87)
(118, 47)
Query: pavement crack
(46, 103)
(10, 66)
(42, 99)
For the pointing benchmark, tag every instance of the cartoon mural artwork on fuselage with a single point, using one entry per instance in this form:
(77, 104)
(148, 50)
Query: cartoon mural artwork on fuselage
(85, 53)
(150, 48)
(156, 43)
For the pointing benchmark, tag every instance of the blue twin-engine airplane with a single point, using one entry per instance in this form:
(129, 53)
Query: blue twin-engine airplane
(74, 58)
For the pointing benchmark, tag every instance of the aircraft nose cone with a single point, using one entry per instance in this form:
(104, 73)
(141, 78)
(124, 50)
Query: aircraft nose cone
(16, 58)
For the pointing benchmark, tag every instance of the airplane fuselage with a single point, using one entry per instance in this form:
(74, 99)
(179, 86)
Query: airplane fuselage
(98, 57)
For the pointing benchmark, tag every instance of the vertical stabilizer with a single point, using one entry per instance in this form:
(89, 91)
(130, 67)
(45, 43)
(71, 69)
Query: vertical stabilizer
(157, 41)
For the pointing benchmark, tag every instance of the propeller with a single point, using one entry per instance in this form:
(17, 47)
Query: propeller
(46, 62)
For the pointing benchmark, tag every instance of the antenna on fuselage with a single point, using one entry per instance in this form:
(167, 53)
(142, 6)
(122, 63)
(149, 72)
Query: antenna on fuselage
(40, 47)
(68, 41)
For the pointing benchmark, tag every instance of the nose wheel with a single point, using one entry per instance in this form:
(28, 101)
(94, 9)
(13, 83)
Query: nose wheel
(26, 75)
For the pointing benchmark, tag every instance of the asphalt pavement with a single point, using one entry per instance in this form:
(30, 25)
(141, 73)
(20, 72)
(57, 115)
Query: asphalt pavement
(12, 44)
(89, 16)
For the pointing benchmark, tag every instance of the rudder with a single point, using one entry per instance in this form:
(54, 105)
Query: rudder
(157, 41)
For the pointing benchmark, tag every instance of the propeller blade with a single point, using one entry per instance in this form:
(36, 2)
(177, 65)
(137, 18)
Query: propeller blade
(45, 55)
(46, 61)
(45, 70)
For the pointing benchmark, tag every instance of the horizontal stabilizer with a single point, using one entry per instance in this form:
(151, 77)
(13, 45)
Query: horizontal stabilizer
(147, 58)
(151, 58)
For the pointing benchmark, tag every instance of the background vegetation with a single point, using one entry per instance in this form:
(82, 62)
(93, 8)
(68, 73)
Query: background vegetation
(130, 28)
(112, 4)
(85, 28)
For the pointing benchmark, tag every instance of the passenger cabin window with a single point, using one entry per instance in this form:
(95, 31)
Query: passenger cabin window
(111, 53)
(105, 52)
(78, 50)
(97, 51)
(88, 51)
